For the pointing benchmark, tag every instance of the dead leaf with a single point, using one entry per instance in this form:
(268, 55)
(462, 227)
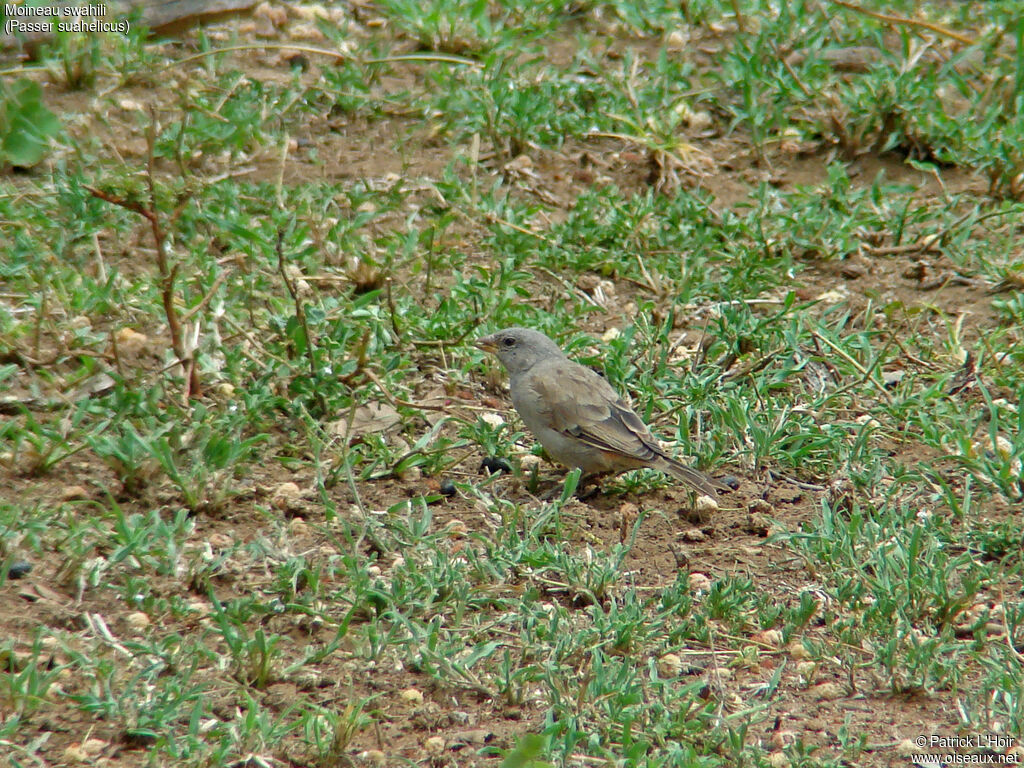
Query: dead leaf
(367, 419)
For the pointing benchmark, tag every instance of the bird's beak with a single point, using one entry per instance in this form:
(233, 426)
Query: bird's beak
(487, 344)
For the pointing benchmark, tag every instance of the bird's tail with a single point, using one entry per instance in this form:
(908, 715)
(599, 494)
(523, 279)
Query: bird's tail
(691, 477)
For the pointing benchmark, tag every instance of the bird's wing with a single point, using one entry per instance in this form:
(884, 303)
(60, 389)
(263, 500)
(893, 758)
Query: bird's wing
(583, 405)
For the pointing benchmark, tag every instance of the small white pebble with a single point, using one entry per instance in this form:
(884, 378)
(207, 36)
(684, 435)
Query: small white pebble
(807, 670)
(699, 582)
(75, 754)
(411, 696)
(1003, 447)
(770, 637)
(706, 504)
(492, 418)
(670, 665)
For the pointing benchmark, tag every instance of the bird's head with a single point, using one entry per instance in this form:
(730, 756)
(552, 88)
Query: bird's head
(519, 349)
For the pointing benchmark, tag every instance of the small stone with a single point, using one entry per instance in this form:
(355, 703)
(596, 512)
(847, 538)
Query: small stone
(831, 297)
(611, 334)
(75, 754)
(434, 746)
(798, 650)
(131, 341)
(492, 464)
(778, 760)
(74, 493)
(138, 620)
(866, 419)
(94, 747)
(286, 495)
(783, 739)
(701, 121)
(479, 736)
(374, 756)
(410, 474)
(276, 16)
(699, 582)
(493, 419)
(138, 738)
(311, 12)
(693, 535)
(447, 487)
(828, 691)
(220, 540)
(770, 637)
(411, 696)
(1003, 447)
(677, 40)
(706, 505)
(457, 529)
(520, 165)
(807, 670)
(19, 569)
(721, 673)
(529, 461)
(670, 665)
(306, 32)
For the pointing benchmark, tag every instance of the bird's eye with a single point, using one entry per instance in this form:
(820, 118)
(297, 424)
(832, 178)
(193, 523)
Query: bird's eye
(508, 341)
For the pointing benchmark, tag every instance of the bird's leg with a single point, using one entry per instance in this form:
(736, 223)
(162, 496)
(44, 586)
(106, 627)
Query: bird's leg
(582, 492)
(552, 493)
(593, 479)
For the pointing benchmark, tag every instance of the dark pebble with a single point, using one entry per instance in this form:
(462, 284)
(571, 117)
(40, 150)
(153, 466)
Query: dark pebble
(298, 62)
(732, 481)
(138, 739)
(492, 464)
(19, 570)
(447, 487)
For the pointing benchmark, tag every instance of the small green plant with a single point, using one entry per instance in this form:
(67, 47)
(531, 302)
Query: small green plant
(255, 654)
(330, 733)
(25, 679)
(26, 125)
(74, 57)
